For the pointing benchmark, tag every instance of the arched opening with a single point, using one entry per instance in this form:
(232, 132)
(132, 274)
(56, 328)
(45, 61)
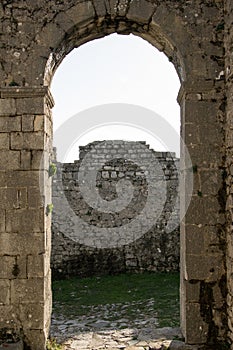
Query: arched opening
(36, 48)
(116, 69)
(126, 69)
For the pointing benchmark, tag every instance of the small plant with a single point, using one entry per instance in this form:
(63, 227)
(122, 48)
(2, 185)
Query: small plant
(15, 270)
(53, 345)
(220, 27)
(52, 169)
(194, 169)
(49, 209)
(199, 193)
(13, 83)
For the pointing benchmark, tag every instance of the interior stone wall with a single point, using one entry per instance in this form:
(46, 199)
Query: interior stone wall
(157, 249)
(229, 159)
(194, 35)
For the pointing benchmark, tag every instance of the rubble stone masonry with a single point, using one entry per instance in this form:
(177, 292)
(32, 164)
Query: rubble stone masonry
(156, 250)
(196, 36)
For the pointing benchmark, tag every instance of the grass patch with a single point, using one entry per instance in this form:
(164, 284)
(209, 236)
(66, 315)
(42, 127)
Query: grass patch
(53, 345)
(78, 296)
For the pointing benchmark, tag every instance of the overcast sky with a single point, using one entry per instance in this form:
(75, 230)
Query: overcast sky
(115, 69)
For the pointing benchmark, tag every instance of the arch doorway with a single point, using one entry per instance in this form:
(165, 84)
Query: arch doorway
(58, 29)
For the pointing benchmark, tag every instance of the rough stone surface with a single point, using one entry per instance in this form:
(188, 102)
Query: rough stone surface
(93, 334)
(155, 250)
(197, 37)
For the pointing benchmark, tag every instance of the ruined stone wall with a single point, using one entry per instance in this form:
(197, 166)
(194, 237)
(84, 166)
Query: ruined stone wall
(157, 249)
(26, 127)
(195, 35)
(229, 159)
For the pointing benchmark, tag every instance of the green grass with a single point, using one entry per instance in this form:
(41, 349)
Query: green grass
(79, 296)
(53, 345)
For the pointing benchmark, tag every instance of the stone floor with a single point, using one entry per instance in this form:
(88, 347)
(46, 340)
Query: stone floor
(125, 339)
(109, 327)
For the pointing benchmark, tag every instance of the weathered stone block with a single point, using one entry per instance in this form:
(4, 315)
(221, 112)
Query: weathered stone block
(10, 160)
(28, 123)
(3, 203)
(64, 22)
(80, 13)
(215, 134)
(16, 198)
(32, 315)
(4, 141)
(16, 243)
(202, 114)
(202, 239)
(4, 292)
(8, 124)
(25, 161)
(140, 12)
(206, 156)
(101, 7)
(25, 220)
(21, 178)
(38, 265)
(38, 160)
(2, 221)
(210, 182)
(48, 128)
(35, 197)
(194, 239)
(192, 134)
(197, 65)
(165, 19)
(8, 315)
(20, 270)
(51, 32)
(39, 123)
(7, 267)
(33, 105)
(196, 329)
(192, 290)
(203, 211)
(7, 106)
(25, 290)
(27, 140)
(204, 268)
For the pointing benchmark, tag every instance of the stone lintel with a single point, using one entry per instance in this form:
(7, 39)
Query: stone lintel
(28, 92)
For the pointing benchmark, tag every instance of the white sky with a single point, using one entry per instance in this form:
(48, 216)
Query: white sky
(115, 69)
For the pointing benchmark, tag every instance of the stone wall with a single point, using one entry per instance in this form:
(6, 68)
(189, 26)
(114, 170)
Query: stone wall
(25, 190)
(157, 249)
(196, 36)
(229, 160)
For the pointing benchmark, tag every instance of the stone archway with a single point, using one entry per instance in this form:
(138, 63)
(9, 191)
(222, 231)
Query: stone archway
(37, 36)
